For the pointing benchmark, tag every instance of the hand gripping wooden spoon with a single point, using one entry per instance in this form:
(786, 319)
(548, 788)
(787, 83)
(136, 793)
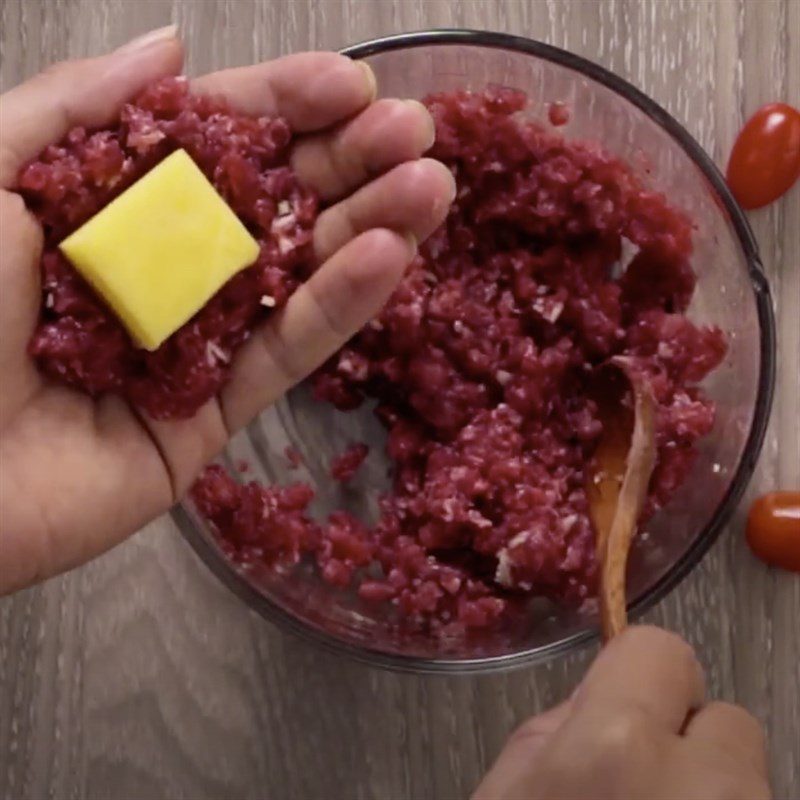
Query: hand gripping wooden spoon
(618, 478)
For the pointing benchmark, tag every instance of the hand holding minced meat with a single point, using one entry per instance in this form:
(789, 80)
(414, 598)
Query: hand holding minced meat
(92, 466)
(478, 361)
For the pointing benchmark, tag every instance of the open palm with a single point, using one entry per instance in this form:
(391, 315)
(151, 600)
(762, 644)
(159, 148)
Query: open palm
(78, 475)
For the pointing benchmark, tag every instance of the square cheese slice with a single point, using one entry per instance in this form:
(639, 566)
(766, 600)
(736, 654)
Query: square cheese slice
(162, 249)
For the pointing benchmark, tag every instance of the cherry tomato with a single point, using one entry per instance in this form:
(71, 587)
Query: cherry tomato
(765, 160)
(773, 529)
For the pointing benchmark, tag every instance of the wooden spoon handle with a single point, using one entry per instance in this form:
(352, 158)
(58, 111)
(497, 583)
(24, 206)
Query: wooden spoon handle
(639, 468)
(628, 446)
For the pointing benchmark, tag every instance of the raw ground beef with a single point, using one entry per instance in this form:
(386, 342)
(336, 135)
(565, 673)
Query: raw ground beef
(79, 340)
(293, 456)
(553, 259)
(347, 463)
(558, 114)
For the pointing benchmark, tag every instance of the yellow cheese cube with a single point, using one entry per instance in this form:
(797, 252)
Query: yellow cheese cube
(162, 249)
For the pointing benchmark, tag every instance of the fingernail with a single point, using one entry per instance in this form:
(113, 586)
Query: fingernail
(452, 189)
(412, 243)
(150, 38)
(430, 128)
(372, 81)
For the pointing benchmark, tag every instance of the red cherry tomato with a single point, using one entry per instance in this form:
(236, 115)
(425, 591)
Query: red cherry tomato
(765, 160)
(773, 529)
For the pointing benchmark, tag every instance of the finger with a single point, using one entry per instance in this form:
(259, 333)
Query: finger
(88, 92)
(514, 762)
(385, 134)
(186, 445)
(310, 90)
(644, 670)
(412, 197)
(340, 297)
(731, 729)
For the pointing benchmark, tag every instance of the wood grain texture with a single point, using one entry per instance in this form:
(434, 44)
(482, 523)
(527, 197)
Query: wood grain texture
(140, 676)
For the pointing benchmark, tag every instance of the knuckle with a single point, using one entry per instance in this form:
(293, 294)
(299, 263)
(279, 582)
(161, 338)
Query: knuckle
(383, 240)
(624, 734)
(345, 162)
(530, 728)
(278, 353)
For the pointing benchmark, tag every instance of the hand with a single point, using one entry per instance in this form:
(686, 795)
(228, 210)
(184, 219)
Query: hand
(79, 475)
(637, 727)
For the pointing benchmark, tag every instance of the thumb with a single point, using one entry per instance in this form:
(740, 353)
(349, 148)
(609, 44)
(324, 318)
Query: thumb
(88, 92)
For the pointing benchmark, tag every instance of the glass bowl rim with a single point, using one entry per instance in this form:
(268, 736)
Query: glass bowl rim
(237, 581)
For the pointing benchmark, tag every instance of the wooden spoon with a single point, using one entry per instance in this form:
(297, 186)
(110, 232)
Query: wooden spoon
(618, 479)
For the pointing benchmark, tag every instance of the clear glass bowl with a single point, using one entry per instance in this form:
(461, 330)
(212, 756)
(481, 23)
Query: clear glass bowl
(731, 292)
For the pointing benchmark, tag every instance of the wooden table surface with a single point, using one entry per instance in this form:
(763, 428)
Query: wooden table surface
(140, 676)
